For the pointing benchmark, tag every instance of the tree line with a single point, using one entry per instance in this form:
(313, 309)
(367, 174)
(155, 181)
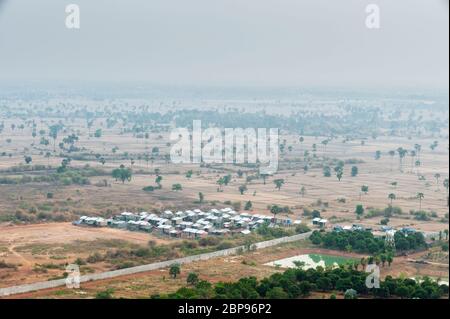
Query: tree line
(299, 283)
(362, 241)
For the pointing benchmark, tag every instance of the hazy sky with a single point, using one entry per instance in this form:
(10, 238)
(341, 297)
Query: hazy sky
(227, 42)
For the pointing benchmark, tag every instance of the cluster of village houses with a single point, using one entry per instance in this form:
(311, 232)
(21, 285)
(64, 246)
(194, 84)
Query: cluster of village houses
(384, 229)
(189, 224)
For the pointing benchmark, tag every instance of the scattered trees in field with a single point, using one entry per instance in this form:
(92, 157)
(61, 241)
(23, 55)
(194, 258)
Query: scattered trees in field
(299, 283)
(122, 173)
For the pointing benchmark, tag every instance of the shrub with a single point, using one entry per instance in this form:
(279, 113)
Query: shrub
(148, 189)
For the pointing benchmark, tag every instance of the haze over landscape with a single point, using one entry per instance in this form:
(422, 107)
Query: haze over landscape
(252, 42)
(93, 122)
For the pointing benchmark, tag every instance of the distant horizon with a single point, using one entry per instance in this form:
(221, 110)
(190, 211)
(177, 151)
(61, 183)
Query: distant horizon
(82, 84)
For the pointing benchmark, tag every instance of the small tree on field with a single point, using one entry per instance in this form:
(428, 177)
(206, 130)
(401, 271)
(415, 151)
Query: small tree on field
(359, 210)
(158, 181)
(377, 155)
(278, 183)
(391, 197)
(420, 196)
(437, 176)
(174, 270)
(192, 279)
(201, 197)
(242, 189)
(28, 159)
(177, 187)
(339, 174)
(122, 173)
(364, 190)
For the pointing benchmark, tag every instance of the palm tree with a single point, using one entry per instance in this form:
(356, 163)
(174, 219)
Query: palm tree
(401, 153)
(417, 164)
(54, 129)
(325, 143)
(420, 196)
(418, 148)
(392, 197)
(437, 176)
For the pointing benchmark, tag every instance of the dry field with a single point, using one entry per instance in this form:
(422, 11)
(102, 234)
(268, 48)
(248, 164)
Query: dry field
(58, 244)
(227, 269)
(22, 244)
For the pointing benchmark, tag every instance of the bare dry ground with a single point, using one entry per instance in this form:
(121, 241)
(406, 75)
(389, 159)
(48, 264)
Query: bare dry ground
(58, 243)
(227, 269)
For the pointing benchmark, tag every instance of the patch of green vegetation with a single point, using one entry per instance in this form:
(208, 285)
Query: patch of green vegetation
(298, 283)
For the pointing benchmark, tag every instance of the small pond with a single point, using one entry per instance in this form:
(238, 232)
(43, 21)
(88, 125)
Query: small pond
(312, 261)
